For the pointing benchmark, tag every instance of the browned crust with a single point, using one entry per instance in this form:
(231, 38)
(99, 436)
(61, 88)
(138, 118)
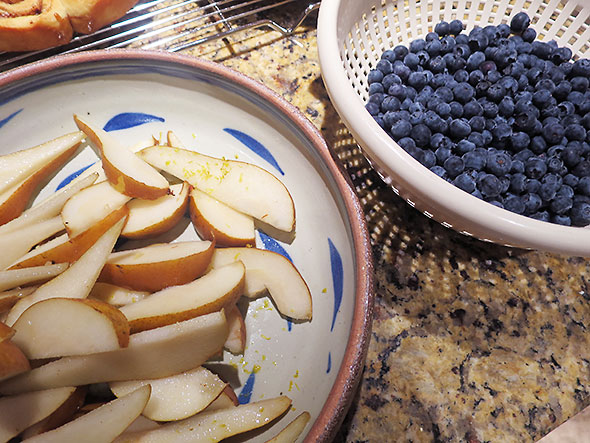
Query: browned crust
(41, 24)
(42, 29)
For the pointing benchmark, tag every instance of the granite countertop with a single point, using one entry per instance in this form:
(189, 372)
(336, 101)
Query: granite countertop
(471, 341)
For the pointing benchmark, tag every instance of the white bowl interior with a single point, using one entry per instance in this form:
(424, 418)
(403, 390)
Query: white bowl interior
(300, 360)
(352, 35)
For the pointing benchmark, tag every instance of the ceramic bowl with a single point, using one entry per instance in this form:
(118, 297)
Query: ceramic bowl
(137, 94)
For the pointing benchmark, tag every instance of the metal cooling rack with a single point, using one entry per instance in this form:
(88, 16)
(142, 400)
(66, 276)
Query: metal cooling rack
(176, 25)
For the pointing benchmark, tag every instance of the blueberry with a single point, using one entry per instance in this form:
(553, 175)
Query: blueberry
(499, 163)
(580, 214)
(575, 132)
(375, 88)
(579, 84)
(478, 41)
(417, 80)
(454, 165)
(581, 67)
(372, 108)
(455, 27)
(541, 98)
(443, 109)
(570, 180)
(476, 77)
(459, 128)
(477, 123)
(464, 146)
(384, 66)
(457, 110)
(400, 52)
(411, 61)
(502, 131)
(553, 133)
(529, 35)
(490, 109)
(565, 191)
(489, 185)
(401, 70)
(428, 159)
(417, 45)
(487, 66)
(461, 76)
(421, 134)
(433, 47)
(472, 108)
(389, 80)
(548, 190)
(576, 97)
(583, 186)
(518, 183)
(532, 202)
(475, 159)
(475, 60)
(439, 170)
(442, 28)
(541, 49)
(514, 204)
(400, 129)
(541, 216)
(390, 104)
(519, 141)
(520, 22)
(517, 167)
(477, 139)
(442, 153)
(554, 164)
(463, 92)
(465, 182)
(407, 143)
(448, 44)
(582, 169)
(375, 76)
(445, 94)
(535, 168)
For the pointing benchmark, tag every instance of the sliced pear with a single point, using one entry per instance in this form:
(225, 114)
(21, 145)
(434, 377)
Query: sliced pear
(12, 278)
(50, 207)
(16, 166)
(59, 327)
(245, 187)
(16, 244)
(12, 360)
(236, 340)
(227, 399)
(148, 218)
(64, 249)
(267, 269)
(101, 425)
(6, 332)
(64, 413)
(293, 430)
(24, 170)
(214, 220)
(142, 423)
(151, 354)
(215, 290)
(9, 298)
(158, 266)
(116, 295)
(128, 173)
(178, 396)
(77, 280)
(215, 425)
(21, 411)
(90, 205)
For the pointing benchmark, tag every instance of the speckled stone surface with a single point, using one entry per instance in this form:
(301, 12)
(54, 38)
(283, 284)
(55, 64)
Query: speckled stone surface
(471, 341)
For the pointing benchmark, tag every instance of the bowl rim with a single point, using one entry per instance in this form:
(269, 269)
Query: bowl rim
(348, 377)
(471, 215)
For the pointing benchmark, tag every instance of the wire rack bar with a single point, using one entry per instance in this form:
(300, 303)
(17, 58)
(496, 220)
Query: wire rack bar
(176, 25)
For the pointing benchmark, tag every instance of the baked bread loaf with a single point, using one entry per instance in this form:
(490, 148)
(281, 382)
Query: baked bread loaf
(29, 25)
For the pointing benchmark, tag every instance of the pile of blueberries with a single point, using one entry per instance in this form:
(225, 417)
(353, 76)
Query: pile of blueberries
(498, 113)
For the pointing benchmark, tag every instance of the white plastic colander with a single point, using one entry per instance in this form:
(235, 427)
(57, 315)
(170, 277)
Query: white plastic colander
(352, 35)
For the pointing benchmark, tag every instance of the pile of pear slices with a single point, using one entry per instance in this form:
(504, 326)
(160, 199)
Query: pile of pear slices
(76, 314)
